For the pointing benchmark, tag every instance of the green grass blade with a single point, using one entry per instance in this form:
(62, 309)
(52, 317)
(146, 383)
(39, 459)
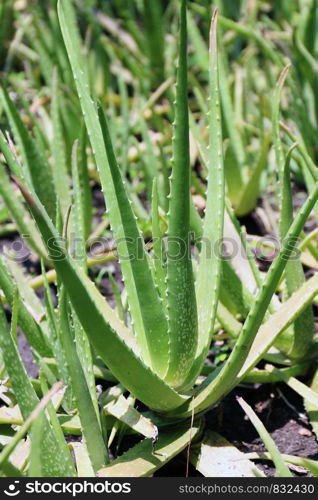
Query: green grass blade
(181, 300)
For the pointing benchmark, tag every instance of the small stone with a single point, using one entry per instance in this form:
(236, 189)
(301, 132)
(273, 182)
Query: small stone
(305, 432)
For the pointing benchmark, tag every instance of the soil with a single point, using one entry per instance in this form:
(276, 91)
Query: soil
(280, 409)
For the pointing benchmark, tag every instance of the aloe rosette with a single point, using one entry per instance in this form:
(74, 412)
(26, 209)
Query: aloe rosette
(173, 300)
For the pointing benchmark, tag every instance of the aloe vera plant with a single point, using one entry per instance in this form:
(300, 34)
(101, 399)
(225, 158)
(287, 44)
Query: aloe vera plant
(155, 343)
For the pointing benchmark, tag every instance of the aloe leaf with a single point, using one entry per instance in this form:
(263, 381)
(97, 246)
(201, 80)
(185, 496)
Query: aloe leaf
(236, 160)
(21, 432)
(120, 309)
(235, 157)
(121, 409)
(216, 457)
(112, 340)
(227, 378)
(82, 460)
(36, 169)
(142, 460)
(294, 274)
(278, 322)
(78, 211)
(80, 228)
(84, 182)
(54, 462)
(149, 159)
(311, 465)
(303, 390)
(28, 295)
(145, 307)
(248, 32)
(154, 41)
(24, 224)
(36, 434)
(207, 290)
(125, 123)
(137, 273)
(56, 342)
(59, 167)
(250, 192)
(159, 265)
(52, 408)
(181, 300)
(281, 468)
(85, 356)
(87, 413)
(257, 376)
(311, 409)
(31, 328)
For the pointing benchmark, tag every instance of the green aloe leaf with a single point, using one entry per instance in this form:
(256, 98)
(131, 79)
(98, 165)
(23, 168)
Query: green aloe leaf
(154, 40)
(89, 422)
(209, 271)
(24, 224)
(158, 249)
(224, 379)
(294, 274)
(181, 300)
(21, 432)
(142, 460)
(251, 190)
(111, 339)
(31, 328)
(145, 306)
(83, 464)
(121, 409)
(54, 461)
(59, 167)
(36, 168)
(311, 409)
